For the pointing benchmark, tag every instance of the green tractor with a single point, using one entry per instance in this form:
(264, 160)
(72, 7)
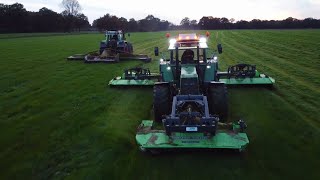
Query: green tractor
(113, 48)
(190, 100)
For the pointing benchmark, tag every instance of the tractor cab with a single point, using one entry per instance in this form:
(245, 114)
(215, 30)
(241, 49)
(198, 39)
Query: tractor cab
(114, 44)
(188, 63)
(188, 48)
(116, 35)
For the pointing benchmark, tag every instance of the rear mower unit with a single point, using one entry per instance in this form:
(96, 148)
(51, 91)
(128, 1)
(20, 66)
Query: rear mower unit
(135, 77)
(113, 49)
(191, 100)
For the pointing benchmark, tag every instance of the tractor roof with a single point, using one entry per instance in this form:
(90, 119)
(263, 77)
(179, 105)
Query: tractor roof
(188, 41)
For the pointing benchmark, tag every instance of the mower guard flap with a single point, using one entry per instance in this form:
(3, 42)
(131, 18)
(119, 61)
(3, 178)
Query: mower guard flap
(157, 139)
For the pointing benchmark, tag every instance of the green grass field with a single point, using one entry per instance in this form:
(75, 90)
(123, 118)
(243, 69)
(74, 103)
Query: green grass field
(58, 118)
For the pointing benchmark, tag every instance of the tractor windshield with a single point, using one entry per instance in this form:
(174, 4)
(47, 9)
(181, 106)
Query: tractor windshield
(185, 56)
(118, 36)
(189, 56)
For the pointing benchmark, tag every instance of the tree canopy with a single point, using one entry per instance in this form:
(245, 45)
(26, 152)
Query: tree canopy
(15, 18)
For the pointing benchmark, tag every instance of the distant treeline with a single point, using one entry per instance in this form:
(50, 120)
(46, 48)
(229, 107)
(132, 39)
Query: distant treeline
(15, 18)
(289, 23)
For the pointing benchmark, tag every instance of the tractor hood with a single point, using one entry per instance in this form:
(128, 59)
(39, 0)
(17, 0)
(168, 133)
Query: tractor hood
(188, 71)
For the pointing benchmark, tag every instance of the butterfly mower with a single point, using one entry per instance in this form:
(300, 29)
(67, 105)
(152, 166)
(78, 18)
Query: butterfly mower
(114, 48)
(136, 76)
(190, 103)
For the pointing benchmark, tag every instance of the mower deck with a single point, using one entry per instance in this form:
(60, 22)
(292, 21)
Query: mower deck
(158, 139)
(244, 74)
(77, 57)
(248, 81)
(88, 58)
(132, 82)
(135, 77)
(99, 59)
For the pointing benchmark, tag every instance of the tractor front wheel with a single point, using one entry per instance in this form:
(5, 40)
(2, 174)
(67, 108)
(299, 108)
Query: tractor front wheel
(161, 101)
(218, 101)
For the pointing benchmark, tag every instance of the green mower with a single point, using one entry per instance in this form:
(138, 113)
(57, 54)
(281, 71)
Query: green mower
(244, 74)
(190, 100)
(114, 48)
(135, 77)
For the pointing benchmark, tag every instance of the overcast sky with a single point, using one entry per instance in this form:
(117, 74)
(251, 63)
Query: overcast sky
(175, 10)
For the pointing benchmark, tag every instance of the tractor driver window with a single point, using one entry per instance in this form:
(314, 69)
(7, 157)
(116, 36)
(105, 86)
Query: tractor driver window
(187, 57)
(115, 37)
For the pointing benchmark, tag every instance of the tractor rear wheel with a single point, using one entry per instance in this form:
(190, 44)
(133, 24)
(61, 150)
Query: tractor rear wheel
(218, 101)
(161, 101)
(130, 48)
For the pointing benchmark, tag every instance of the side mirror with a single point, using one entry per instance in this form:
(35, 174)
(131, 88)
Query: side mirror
(156, 51)
(219, 47)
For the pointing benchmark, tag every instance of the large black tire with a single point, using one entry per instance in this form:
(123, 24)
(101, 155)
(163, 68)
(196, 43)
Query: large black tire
(161, 101)
(130, 48)
(218, 101)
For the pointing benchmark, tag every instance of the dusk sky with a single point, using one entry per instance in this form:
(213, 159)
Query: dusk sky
(175, 10)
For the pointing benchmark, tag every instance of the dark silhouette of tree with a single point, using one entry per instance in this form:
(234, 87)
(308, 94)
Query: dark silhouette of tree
(71, 14)
(150, 23)
(14, 18)
(163, 25)
(47, 20)
(81, 21)
(185, 23)
(194, 24)
(132, 25)
(123, 24)
(71, 7)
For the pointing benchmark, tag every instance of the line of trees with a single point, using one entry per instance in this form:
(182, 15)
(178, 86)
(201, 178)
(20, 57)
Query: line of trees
(15, 18)
(150, 23)
(289, 23)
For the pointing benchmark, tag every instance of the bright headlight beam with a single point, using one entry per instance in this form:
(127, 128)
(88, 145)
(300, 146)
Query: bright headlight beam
(172, 41)
(202, 40)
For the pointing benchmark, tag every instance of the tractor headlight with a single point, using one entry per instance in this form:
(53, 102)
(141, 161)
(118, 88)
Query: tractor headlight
(215, 58)
(168, 68)
(202, 40)
(208, 67)
(161, 60)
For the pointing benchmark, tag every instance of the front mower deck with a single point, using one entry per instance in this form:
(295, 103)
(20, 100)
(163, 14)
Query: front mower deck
(149, 139)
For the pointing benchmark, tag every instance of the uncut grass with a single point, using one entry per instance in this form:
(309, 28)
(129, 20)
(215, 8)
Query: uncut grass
(298, 85)
(60, 120)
